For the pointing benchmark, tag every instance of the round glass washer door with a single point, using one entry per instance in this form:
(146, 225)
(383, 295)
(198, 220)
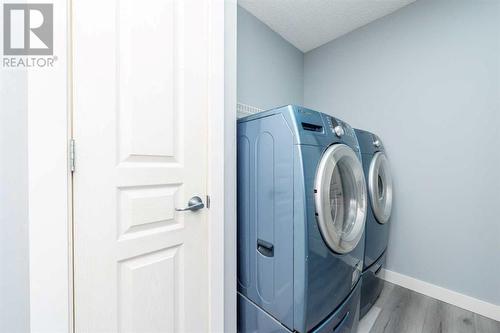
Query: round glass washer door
(380, 187)
(340, 198)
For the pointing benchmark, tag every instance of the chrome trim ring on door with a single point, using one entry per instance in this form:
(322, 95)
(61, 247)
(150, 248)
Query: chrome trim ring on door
(380, 187)
(340, 198)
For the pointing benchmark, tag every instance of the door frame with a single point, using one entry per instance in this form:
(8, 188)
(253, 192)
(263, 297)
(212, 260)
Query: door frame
(49, 185)
(51, 217)
(222, 169)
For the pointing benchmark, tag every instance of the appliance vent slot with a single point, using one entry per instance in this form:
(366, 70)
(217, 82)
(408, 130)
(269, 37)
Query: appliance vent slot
(312, 127)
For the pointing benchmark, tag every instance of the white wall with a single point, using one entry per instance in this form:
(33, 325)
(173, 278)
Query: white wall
(270, 69)
(14, 232)
(14, 223)
(427, 80)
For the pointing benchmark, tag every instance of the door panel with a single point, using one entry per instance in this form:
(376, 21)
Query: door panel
(140, 111)
(148, 89)
(148, 292)
(147, 208)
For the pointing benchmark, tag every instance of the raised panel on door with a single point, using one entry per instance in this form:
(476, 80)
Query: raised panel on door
(149, 74)
(140, 105)
(149, 293)
(146, 209)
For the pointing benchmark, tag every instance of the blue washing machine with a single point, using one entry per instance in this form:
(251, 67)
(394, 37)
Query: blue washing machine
(302, 205)
(379, 184)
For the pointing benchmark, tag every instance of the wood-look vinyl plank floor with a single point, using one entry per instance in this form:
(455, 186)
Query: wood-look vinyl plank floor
(406, 311)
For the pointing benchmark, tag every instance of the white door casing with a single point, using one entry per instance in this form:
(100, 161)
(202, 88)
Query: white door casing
(140, 77)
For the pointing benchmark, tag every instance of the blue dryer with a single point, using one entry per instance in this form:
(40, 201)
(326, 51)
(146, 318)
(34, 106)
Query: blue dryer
(379, 184)
(302, 205)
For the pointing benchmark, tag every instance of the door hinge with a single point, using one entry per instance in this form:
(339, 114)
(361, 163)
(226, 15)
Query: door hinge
(208, 201)
(72, 155)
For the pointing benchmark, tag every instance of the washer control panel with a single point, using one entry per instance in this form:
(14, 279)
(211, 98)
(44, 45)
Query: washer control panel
(338, 130)
(342, 130)
(377, 143)
(331, 123)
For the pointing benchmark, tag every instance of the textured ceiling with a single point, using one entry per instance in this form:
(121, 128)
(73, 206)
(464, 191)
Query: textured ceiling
(308, 24)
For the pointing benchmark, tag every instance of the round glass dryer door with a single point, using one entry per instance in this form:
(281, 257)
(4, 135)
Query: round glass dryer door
(340, 198)
(380, 187)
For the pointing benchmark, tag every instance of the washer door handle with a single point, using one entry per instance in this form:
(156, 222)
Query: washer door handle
(265, 248)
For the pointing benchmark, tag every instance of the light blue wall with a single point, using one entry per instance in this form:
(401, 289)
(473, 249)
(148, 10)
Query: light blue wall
(427, 80)
(14, 232)
(270, 70)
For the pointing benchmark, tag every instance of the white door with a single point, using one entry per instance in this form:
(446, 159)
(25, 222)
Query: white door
(140, 86)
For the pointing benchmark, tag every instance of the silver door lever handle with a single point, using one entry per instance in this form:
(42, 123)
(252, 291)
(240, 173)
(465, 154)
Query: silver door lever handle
(194, 204)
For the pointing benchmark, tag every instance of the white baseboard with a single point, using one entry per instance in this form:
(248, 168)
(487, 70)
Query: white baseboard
(452, 297)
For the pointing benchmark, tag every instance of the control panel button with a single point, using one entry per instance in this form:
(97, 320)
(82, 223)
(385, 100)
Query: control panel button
(339, 131)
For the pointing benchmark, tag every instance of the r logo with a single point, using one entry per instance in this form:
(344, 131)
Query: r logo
(28, 29)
